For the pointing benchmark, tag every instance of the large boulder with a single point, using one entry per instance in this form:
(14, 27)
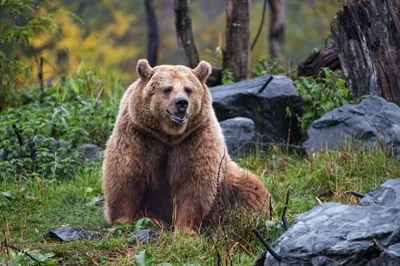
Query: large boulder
(240, 135)
(371, 123)
(387, 194)
(337, 234)
(264, 101)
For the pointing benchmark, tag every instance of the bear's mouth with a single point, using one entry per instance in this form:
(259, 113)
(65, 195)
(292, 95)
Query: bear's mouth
(179, 117)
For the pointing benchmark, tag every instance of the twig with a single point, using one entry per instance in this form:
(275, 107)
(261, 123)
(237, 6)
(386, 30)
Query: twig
(379, 245)
(19, 137)
(265, 84)
(357, 194)
(318, 200)
(40, 77)
(261, 25)
(270, 250)
(284, 220)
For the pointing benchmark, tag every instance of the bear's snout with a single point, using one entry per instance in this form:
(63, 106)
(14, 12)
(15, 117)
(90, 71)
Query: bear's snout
(181, 104)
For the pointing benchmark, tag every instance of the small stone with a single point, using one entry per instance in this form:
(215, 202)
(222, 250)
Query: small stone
(146, 236)
(73, 234)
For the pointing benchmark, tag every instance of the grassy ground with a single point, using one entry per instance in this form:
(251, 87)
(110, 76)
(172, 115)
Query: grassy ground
(33, 206)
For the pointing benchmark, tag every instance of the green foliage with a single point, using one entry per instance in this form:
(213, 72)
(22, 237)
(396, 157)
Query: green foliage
(35, 205)
(29, 257)
(227, 77)
(40, 139)
(262, 67)
(321, 95)
(14, 30)
(144, 258)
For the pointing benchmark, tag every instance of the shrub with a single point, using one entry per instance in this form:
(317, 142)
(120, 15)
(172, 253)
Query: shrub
(322, 94)
(40, 138)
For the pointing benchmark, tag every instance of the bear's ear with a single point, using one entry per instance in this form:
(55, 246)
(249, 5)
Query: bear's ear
(202, 71)
(144, 70)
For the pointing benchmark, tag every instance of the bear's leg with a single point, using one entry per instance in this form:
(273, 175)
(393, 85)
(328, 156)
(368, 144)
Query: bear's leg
(193, 178)
(123, 188)
(247, 190)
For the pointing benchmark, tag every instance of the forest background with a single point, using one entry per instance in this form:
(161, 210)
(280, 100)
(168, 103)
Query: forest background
(112, 35)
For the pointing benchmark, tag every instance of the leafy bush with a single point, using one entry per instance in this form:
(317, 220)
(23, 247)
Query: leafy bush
(263, 67)
(321, 95)
(40, 138)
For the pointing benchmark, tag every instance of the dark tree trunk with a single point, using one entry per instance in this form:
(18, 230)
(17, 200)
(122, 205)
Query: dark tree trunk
(152, 32)
(328, 57)
(277, 28)
(237, 45)
(184, 32)
(368, 37)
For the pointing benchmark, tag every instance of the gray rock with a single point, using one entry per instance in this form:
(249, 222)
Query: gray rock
(146, 236)
(73, 234)
(387, 194)
(61, 144)
(240, 135)
(267, 109)
(372, 122)
(389, 257)
(90, 152)
(337, 234)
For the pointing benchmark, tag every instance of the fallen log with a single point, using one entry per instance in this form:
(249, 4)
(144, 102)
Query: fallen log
(328, 57)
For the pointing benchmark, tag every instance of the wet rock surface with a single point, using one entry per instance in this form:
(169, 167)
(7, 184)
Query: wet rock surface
(146, 236)
(388, 194)
(337, 234)
(371, 123)
(90, 152)
(240, 135)
(266, 102)
(73, 234)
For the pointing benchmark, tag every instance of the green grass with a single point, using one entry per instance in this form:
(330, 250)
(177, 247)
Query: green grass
(34, 206)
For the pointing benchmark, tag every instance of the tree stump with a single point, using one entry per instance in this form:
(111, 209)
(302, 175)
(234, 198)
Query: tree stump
(368, 37)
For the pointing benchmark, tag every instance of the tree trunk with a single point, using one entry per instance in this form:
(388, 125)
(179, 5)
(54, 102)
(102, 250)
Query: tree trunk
(184, 32)
(237, 43)
(368, 37)
(328, 57)
(152, 32)
(277, 28)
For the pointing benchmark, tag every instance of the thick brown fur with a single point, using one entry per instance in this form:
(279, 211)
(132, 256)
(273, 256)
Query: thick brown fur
(171, 172)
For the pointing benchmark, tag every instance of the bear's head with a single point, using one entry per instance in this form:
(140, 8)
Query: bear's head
(170, 99)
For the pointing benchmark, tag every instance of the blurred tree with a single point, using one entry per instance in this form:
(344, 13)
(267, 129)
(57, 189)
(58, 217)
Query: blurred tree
(277, 28)
(18, 26)
(184, 33)
(152, 32)
(237, 39)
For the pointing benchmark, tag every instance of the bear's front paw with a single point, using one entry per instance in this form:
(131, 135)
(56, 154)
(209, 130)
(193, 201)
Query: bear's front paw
(187, 230)
(123, 220)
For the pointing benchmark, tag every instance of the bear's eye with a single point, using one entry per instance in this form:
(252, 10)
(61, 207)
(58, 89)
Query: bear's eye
(167, 90)
(188, 90)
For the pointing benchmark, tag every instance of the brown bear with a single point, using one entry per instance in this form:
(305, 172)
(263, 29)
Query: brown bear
(166, 158)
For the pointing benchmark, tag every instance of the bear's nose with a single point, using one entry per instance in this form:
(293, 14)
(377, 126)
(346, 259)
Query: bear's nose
(181, 103)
